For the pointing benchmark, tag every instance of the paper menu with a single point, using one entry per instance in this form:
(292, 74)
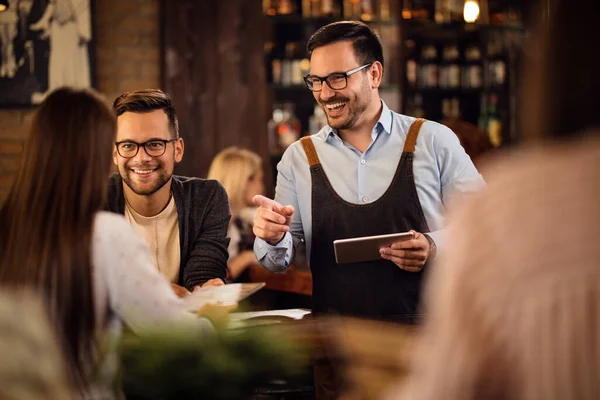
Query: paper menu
(225, 294)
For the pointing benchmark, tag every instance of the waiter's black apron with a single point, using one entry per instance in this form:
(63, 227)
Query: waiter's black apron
(375, 289)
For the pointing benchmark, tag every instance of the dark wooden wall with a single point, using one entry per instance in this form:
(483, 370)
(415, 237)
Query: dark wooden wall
(213, 68)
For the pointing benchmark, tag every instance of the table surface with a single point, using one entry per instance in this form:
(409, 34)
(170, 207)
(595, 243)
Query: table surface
(294, 280)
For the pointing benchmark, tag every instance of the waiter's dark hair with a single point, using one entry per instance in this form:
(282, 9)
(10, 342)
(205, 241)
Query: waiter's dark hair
(365, 42)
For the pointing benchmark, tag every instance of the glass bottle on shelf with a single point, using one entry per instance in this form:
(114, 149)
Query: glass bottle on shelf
(316, 8)
(296, 73)
(289, 130)
(418, 111)
(407, 9)
(367, 10)
(494, 122)
(429, 71)
(317, 121)
(286, 65)
(455, 108)
(306, 8)
(384, 10)
(438, 15)
(270, 7)
(351, 9)
(330, 8)
(286, 7)
(272, 138)
(276, 68)
(472, 68)
(483, 114)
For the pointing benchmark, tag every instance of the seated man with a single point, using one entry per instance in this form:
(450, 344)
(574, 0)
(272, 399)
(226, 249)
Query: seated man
(184, 220)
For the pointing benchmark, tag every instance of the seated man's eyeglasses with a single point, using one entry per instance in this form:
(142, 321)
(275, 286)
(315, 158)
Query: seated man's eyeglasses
(336, 81)
(154, 147)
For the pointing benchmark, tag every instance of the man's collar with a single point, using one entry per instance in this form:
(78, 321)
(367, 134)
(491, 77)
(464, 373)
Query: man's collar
(384, 123)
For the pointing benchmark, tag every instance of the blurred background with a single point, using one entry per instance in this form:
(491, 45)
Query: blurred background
(234, 69)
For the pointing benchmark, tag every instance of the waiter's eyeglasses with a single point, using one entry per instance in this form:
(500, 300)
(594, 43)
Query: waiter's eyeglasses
(336, 81)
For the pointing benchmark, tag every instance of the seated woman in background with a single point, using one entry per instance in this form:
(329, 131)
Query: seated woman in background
(240, 172)
(514, 303)
(90, 269)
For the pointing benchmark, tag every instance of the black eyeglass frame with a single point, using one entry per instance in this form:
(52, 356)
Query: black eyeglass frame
(164, 141)
(325, 79)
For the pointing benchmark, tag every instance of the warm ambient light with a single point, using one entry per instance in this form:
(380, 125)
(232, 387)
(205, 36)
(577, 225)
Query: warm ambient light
(3, 5)
(471, 11)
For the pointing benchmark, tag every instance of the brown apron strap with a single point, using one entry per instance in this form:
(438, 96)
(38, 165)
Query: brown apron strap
(309, 149)
(413, 133)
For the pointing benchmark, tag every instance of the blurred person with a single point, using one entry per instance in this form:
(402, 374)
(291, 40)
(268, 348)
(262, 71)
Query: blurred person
(32, 365)
(184, 220)
(240, 173)
(514, 305)
(91, 270)
(370, 171)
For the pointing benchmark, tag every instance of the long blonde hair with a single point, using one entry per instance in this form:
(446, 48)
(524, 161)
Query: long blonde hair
(234, 167)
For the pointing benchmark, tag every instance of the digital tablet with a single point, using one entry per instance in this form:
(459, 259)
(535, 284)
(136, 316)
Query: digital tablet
(365, 248)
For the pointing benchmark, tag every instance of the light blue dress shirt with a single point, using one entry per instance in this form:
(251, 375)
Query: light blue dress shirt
(442, 169)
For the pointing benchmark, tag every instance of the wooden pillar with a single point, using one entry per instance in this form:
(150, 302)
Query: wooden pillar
(213, 68)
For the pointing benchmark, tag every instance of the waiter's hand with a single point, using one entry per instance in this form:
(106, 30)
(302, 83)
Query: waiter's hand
(409, 255)
(272, 220)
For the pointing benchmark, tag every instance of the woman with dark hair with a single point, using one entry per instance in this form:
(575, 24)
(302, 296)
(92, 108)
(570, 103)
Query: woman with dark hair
(514, 305)
(88, 266)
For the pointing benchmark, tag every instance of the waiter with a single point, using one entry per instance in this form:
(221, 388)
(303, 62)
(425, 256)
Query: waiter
(370, 171)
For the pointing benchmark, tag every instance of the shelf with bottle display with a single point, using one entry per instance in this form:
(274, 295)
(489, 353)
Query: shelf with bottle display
(463, 15)
(294, 11)
(460, 67)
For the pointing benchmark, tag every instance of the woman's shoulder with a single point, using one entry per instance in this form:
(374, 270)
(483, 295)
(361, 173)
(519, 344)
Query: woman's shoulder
(112, 229)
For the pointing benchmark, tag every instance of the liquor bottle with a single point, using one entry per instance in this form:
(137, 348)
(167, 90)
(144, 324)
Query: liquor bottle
(286, 7)
(494, 122)
(286, 65)
(329, 8)
(407, 9)
(483, 114)
(289, 130)
(429, 72)
(412, 67)
(316, 8)
(306, 8)
(317, 121)
(273, 139)
(472, 68)
(270, 7)
(367, 10)
(384, 10)
(418, 107)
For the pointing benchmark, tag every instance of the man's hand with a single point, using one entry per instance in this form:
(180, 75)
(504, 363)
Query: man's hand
(180, 291)
(409, 255)
(272, 219)
(211, 282)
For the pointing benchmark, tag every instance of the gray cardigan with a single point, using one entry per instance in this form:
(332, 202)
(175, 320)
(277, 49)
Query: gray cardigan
(203, 211)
